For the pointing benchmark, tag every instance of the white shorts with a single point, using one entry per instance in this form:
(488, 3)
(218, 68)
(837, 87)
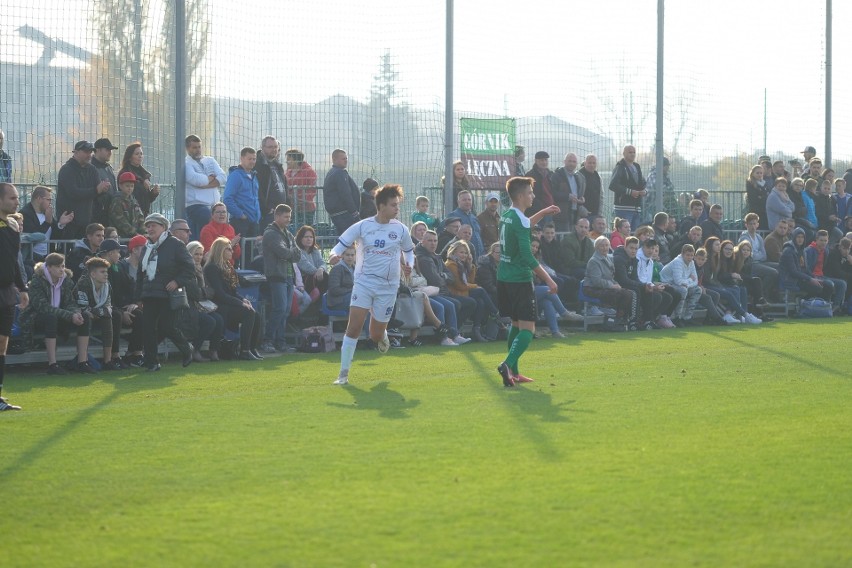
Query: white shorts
(380, 300)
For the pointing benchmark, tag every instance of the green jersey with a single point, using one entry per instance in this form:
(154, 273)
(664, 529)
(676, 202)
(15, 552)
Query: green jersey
(516, 260)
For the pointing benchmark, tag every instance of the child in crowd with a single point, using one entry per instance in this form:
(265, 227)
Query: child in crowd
(93, 297)
(124, 211)
(422, 213)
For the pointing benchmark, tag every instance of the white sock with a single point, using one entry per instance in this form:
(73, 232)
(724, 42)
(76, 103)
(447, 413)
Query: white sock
(347, 353)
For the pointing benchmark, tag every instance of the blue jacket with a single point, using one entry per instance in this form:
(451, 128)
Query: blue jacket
(241, 194)
(476, 239)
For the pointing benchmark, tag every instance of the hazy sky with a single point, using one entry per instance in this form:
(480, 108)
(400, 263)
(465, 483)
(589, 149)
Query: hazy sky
(567, 59)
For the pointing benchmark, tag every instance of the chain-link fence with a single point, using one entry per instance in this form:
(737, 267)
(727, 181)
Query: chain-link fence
(741, 80)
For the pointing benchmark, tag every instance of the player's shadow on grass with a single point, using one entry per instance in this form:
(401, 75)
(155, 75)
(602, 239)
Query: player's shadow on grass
(528, 400)
(381, 399)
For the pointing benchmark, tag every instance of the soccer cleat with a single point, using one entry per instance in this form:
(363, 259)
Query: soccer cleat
(506, 374)
(4, 405)
(519, 378)
(342, 378)
(384, 344)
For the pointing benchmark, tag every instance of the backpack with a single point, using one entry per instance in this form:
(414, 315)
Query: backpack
(318, 339)
(815, 308)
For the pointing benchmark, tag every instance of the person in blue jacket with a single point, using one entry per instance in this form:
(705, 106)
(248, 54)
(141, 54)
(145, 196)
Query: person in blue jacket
(241, 195)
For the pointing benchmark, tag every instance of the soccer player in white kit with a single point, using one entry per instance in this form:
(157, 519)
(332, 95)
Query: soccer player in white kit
(378, 243)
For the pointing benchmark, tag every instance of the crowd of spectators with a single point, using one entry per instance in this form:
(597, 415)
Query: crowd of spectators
(177, 278)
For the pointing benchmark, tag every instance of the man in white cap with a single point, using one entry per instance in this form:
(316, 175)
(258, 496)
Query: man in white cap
(489, 220)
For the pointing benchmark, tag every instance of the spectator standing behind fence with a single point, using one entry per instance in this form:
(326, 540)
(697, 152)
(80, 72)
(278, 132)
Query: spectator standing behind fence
(219, 227)
(569, 191)
(165, 267)
(460, 181)
(100, 161)
(143, 190)
(668, 189)
(594, 186)
(241, 195)
(124, 211)
(271, 180)
(39, 217)
(77, 188)
(628, 185)
(368, 198)
(5, 161)
(302, 178)
(340, 193)
(279, 254)
(542, 190)
(53, 310)
(204, 177)
(489, 220)
(757, 193)
(237, 311)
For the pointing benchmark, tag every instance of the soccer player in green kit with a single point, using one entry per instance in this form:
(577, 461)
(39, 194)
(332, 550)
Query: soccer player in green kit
(515, 291)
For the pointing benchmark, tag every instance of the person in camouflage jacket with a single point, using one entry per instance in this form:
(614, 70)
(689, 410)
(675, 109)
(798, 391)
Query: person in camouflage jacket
(125, 214)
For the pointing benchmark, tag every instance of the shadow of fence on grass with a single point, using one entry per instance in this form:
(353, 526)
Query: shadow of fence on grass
(388, 403)
(812, 364)
(133, 383)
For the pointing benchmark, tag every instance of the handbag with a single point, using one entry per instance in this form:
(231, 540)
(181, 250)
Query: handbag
(815, 308)
(178, 299)
(409, 310)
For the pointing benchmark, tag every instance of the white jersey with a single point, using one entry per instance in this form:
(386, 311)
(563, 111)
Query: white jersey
(377, 256)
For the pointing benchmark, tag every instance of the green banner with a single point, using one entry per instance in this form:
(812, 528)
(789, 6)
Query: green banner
(488, 151)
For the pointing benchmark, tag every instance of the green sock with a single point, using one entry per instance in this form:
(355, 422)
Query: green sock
(513, 333)
(522, 341)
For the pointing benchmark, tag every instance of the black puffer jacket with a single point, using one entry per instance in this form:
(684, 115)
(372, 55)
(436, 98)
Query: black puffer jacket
(173, 263)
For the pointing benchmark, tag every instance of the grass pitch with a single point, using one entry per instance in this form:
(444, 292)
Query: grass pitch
(709, 447)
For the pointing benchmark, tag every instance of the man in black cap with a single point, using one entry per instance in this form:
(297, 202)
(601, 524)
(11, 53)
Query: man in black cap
(77, 188)
(809, 152)
(100, 161)
(542, 188)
